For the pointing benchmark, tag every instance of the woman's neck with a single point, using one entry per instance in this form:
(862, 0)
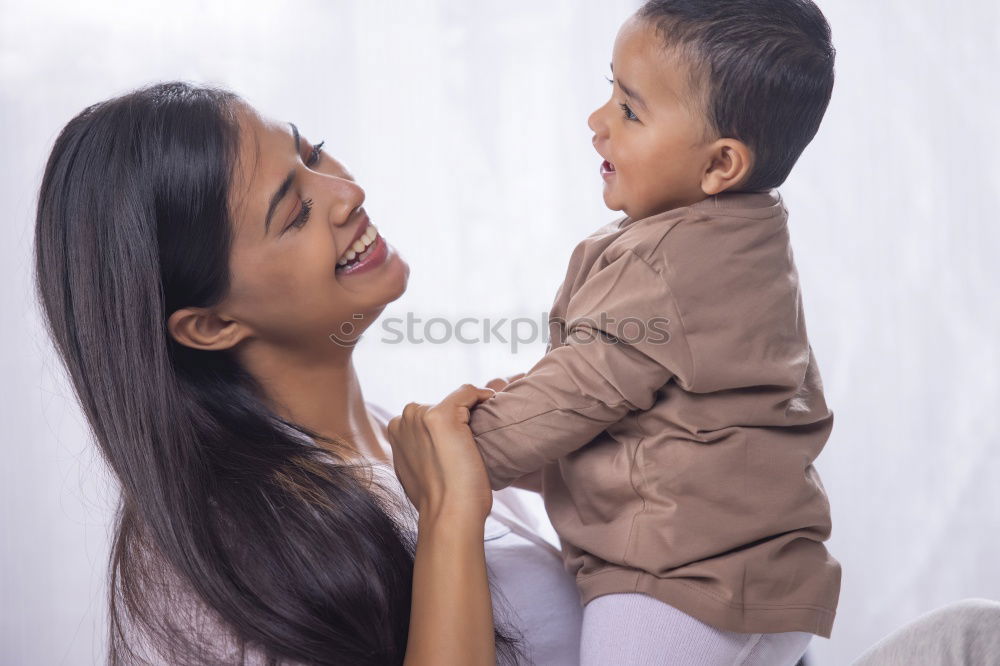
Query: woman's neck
(324, 396)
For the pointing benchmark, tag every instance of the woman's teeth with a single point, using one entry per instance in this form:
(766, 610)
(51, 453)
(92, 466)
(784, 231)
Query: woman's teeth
(361, 248)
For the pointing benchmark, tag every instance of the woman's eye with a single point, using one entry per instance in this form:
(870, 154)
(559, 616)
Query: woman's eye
(303, 215)
(628, 112)
(315, 154)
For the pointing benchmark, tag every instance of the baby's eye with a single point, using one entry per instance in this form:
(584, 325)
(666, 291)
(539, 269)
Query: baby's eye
(628, 112)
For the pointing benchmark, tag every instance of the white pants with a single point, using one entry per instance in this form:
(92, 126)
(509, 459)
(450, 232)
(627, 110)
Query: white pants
(634, 629)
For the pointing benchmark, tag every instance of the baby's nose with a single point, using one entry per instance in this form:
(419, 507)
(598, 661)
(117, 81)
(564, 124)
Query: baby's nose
(595, 124)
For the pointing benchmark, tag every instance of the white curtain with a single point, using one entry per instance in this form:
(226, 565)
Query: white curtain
(466, 124)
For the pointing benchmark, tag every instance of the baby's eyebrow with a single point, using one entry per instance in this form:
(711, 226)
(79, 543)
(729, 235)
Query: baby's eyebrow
(628, 91)
(632, 94)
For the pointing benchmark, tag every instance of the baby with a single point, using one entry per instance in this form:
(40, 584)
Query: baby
(678, 409)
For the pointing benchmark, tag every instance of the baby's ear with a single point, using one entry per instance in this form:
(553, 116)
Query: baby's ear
(729, 164)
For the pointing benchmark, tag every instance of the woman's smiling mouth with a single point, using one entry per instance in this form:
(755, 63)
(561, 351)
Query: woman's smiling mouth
(368, 251)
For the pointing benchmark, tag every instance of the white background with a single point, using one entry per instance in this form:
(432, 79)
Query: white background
(466, 123)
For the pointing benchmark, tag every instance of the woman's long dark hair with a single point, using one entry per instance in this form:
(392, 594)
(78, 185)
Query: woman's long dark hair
(289, 543)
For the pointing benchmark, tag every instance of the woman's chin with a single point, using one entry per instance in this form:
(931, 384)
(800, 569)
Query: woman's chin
(398, 273)
(393, 281)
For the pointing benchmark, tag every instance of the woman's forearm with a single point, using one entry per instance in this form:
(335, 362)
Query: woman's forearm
(451, 618)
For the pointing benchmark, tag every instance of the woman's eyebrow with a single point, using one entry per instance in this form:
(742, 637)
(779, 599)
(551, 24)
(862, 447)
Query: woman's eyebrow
(286, 185)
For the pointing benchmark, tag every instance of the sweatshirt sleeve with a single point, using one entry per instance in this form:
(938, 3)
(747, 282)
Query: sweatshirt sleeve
(623, 341)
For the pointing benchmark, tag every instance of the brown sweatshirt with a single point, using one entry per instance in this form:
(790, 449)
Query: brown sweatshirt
(675, 417)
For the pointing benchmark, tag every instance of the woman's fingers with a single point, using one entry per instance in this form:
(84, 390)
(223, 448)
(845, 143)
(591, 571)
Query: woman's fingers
(500, 383)
(497, 384)
(467, 395)
(412, 410)
(454, 409)
(407, 424)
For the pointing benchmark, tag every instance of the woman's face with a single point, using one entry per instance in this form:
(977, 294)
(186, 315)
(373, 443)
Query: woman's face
(296, 214)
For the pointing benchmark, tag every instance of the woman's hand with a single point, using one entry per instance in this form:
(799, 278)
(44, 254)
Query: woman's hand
(437, 460)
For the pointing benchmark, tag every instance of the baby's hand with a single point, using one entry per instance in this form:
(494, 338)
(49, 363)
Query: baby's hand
(500, 383)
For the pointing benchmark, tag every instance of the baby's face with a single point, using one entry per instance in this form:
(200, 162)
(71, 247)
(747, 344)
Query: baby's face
(649, 133)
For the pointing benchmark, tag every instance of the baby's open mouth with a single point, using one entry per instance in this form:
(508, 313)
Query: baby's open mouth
(361, 248)
(607, 167)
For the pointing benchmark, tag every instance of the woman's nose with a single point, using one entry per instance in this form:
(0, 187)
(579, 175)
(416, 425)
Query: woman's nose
(350, 197)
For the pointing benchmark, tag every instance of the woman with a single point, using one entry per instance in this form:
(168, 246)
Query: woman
(198, 266)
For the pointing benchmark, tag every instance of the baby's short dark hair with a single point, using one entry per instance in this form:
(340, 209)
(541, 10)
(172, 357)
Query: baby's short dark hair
(762, 68)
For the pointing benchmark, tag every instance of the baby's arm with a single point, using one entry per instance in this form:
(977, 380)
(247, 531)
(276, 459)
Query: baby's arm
(580, 388)
(533, 480)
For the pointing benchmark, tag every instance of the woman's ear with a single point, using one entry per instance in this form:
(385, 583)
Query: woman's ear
(202, 328)
(729, 165)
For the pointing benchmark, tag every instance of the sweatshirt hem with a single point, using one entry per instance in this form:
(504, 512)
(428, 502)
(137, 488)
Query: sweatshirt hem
(688, 598)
